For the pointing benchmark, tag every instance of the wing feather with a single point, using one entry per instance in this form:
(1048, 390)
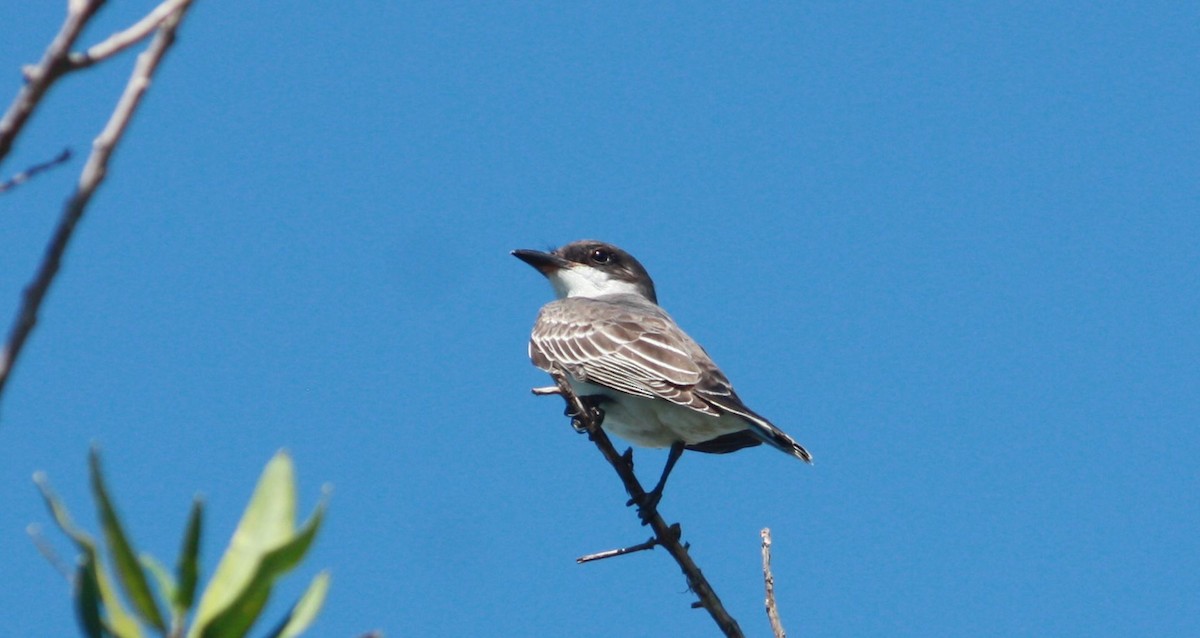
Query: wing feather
(632, 346)
(638, 350)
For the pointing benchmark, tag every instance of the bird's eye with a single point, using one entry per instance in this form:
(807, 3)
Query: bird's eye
(601, 255)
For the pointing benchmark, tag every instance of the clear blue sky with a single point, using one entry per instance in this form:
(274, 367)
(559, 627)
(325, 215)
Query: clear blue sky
(953, 249)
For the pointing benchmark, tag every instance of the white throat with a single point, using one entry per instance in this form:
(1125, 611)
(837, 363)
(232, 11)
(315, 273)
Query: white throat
(585, 281)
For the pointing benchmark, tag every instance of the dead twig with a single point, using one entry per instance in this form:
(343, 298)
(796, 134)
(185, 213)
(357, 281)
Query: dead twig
(27, 174)
(769, 581)
(640, 547)
(92, 176)
(666, 536)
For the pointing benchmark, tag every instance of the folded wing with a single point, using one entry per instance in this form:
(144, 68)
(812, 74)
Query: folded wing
(632, 346)
(631, 349)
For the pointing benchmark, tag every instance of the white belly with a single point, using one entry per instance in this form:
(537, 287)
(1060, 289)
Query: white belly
(657, 422)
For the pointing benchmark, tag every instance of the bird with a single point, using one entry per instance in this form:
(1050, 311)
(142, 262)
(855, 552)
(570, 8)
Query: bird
(652, 383)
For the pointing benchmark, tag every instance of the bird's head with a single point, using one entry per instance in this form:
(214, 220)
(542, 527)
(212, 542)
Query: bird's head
(589, 268)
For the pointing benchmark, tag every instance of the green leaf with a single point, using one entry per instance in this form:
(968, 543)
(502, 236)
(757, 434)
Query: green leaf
(264, 545)
(187, 570)
(305, 611)
(120, 622)
(59, 512)
(166, 584)
(237, 618)
(129, 572)
(267, 522)
(87, 599)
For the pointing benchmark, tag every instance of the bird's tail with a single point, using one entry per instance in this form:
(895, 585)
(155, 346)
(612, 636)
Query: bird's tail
(766, 431)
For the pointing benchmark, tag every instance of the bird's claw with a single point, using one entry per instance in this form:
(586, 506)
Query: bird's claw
(595, 414)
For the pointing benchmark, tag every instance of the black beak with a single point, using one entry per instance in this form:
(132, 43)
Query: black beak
(546, 263)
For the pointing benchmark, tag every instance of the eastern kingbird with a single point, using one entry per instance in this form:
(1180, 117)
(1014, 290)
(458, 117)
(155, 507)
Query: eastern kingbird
(656, 387)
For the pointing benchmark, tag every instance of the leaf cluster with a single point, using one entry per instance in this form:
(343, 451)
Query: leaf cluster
(119, 602)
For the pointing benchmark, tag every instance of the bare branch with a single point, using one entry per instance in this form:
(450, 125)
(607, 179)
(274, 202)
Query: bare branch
(93, 174)
(39, 77)
(147, 63)
(769, 581)
(27, 174)
(650, 543)
(665, 535)
(122, 40)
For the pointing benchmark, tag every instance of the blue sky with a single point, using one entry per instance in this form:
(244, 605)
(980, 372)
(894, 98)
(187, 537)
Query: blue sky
(952, 248)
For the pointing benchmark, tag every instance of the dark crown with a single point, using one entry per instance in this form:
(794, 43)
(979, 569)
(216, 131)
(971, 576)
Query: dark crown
(611, 260)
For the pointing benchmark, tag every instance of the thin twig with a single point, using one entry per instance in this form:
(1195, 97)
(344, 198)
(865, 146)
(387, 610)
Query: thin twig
(27, 174)
(640, 547)
(93, 174)
(666, 535)
(39, 77)
(122, 40)
(769, 581)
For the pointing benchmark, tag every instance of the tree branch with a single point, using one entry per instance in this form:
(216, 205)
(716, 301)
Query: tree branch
(665, 535)
(39, 77)
(122, 40)
(90, 179)
(769, 582)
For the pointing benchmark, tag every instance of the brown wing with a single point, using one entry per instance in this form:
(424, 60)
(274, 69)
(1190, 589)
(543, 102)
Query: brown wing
(631, 348)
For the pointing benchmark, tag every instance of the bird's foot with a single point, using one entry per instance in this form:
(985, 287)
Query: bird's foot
(595, 413)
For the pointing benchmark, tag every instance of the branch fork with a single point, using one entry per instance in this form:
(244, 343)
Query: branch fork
(57, 61)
